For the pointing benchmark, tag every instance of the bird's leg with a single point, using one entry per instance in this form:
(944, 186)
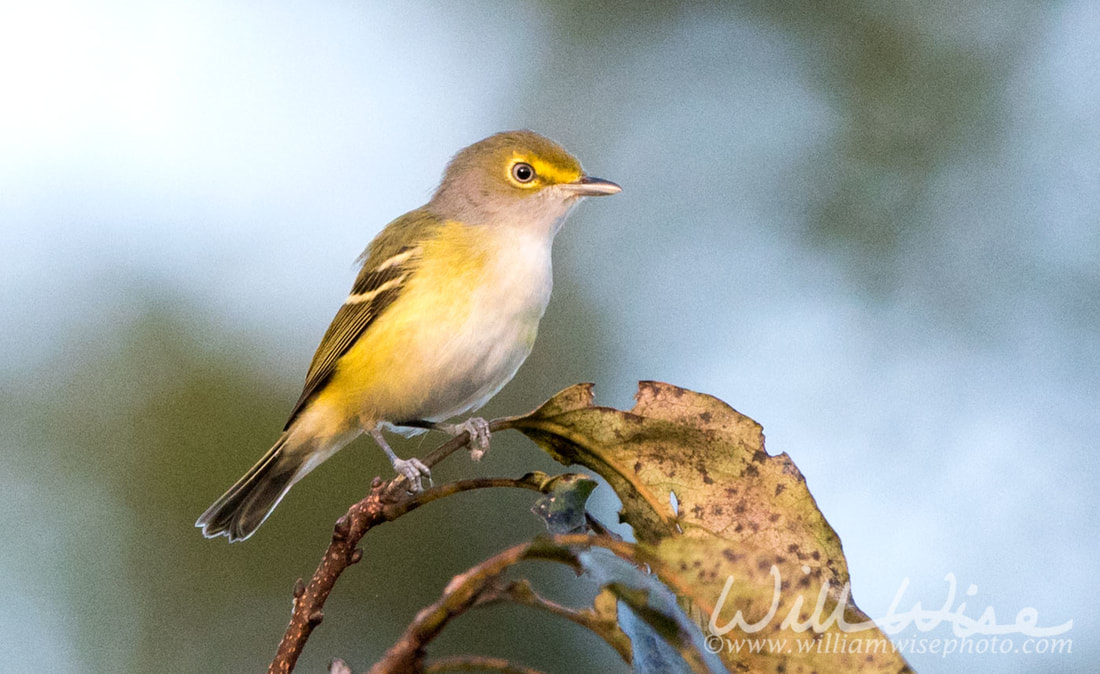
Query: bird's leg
(413, 469)
(477, 427)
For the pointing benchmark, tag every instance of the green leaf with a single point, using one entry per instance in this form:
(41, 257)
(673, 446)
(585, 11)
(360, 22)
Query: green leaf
(562, 508)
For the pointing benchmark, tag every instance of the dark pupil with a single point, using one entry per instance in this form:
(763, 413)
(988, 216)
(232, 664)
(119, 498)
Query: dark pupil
(523, 172)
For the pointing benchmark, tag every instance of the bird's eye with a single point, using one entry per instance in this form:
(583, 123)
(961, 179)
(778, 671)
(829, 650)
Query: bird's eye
(523, 172)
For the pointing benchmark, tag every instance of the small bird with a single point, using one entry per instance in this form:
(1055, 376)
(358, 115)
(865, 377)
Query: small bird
(443, 312)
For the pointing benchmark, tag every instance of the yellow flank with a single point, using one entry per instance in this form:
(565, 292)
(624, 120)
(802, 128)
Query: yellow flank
(421, 352)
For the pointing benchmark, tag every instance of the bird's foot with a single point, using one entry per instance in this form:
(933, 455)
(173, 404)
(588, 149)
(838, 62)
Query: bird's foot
(478, 429)
(414, 471)
(411, 469)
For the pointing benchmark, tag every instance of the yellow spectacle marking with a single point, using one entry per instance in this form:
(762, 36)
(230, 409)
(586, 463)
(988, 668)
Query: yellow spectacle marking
(548, 173)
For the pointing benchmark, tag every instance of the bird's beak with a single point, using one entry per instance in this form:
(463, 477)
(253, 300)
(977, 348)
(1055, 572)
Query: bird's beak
(587, 186)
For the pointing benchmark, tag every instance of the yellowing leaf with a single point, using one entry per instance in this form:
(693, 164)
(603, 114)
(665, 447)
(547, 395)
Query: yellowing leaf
(775, 614)
(740, 513)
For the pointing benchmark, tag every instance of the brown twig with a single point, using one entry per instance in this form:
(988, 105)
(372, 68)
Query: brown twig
(481, 584)
(386, 502)
(397, 488)
(309, 600)
(521, 592)
(477, 663)
(394, 510)
(467, 588)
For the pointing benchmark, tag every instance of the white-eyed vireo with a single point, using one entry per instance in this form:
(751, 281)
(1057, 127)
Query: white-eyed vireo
(441, 316)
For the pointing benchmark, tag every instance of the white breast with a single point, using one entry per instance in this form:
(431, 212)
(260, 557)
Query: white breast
(500, 330)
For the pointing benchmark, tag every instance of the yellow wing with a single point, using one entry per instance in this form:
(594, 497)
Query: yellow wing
(389, 264)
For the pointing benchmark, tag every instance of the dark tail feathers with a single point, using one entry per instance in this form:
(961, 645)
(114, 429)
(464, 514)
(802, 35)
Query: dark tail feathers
(242, 509)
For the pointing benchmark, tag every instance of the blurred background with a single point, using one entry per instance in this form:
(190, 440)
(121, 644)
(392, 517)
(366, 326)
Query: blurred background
(872, 227)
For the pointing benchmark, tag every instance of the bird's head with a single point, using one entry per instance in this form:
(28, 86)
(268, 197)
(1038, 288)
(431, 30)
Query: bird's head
(515, 178)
